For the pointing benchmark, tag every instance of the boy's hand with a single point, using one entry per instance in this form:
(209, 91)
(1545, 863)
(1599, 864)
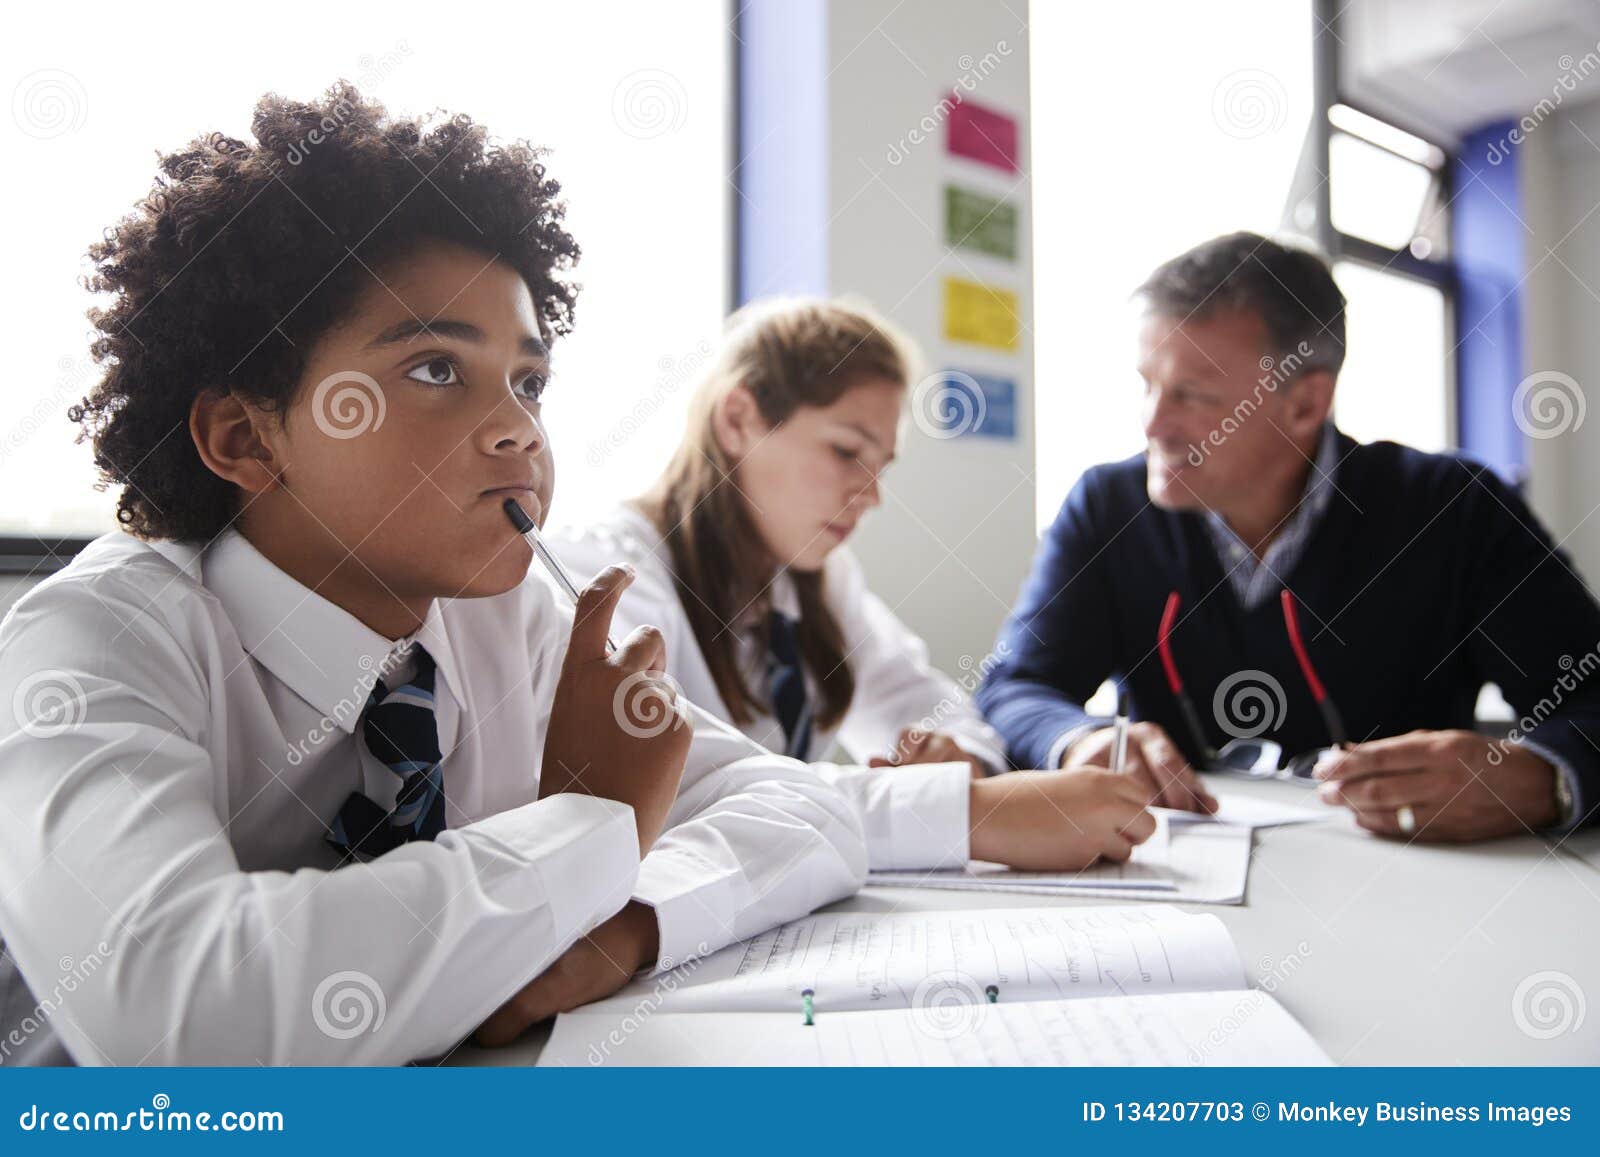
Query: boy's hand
(616, 727)
(592, 969)
(1057, 821)
(917, 746)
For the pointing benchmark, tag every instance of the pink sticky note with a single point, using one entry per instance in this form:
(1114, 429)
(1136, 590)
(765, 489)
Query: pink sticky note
(982, 134)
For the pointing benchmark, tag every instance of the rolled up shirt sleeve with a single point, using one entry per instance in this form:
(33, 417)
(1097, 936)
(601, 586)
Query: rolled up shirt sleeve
(915, 816)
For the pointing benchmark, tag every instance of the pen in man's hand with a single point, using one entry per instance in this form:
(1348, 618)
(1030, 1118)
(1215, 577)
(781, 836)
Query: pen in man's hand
(1119, 742)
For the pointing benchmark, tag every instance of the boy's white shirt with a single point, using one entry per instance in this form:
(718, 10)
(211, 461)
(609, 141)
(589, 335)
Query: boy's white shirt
(915, 816)
(165, 890)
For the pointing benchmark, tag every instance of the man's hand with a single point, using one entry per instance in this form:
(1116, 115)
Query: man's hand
(592, 969)
(616, 728)
(1152, 759)
(1056, 821)
(1455, 790)
(917, 746)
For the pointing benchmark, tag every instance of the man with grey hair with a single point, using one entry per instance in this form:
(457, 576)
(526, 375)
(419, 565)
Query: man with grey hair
(1258, 578)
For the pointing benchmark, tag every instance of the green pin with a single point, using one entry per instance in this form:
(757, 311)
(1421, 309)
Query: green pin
(806, 996)
(993, 994)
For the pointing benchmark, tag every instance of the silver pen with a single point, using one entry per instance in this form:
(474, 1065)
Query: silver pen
(1119, 742)
(530, 531)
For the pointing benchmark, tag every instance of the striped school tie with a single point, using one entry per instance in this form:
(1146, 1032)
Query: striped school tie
(786, 684)
(400, 729)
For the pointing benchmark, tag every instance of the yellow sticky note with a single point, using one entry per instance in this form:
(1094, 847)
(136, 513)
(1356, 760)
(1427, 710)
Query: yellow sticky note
(980, 314)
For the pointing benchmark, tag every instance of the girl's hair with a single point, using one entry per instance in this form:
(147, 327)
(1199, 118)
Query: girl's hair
(788, 353)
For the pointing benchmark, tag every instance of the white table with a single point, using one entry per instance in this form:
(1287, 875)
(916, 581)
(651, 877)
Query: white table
(1388, 953)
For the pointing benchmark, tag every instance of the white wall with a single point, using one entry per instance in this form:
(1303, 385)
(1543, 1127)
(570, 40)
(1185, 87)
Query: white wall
(955, 534)
(1561, 298)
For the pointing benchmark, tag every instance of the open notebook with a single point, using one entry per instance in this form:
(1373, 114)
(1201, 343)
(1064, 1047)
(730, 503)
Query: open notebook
(1205, 863)
(1128, 985)
(1191, 858)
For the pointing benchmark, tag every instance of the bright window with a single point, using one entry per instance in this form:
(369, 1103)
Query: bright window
(1395, 382)
(1375, 194)
(639, 138)
(1143, 146)
(1385, 185)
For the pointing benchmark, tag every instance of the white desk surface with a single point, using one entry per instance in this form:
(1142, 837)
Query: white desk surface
(1407, 954)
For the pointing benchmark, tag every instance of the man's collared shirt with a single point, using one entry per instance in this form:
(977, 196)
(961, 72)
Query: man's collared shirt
(1255, 580)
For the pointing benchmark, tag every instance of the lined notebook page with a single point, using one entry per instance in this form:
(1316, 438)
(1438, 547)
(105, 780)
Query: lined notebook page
(864, 960)
(1205, 1028)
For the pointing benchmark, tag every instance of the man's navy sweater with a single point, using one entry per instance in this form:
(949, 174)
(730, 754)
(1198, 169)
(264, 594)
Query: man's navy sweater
(1424, 579)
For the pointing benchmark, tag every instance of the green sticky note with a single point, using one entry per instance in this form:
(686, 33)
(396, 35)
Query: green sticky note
(974, 221)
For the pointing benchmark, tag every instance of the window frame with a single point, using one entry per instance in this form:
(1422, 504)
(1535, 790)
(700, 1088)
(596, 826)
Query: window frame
(1337, 246)
(25, 555)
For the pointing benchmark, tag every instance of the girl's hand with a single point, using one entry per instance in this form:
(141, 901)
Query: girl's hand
(1057, 821)
(918, 746)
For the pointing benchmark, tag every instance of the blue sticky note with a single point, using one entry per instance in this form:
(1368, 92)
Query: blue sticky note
(958, 404)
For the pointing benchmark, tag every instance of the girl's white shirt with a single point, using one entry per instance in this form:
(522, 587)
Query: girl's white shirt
(915, 816)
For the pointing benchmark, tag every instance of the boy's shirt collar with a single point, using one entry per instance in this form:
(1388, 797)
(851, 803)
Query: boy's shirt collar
(326, 655)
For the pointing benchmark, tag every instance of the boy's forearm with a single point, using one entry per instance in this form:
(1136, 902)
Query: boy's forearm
(753, 843)
(641, 933)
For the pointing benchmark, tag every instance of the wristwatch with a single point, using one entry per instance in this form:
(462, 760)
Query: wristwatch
(1566, 806)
